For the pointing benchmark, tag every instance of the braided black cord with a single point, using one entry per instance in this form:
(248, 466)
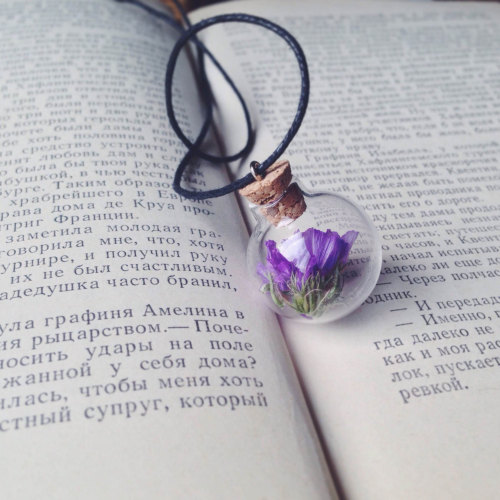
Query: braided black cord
(194, 148)
(206, 92)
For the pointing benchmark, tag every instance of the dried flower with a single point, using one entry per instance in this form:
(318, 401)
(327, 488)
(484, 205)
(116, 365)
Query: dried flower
(304, 271)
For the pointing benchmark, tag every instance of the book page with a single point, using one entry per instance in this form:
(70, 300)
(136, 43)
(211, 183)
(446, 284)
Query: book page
(132, 363)
(404, 119)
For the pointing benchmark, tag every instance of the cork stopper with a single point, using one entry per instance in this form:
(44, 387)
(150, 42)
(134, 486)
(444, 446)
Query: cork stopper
(282, 203)
(272, 186)
(287, 208)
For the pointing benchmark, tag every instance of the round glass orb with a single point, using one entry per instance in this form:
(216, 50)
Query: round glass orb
(319, 267)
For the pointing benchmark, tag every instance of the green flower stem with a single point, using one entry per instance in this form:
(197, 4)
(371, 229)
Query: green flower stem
(309, 299)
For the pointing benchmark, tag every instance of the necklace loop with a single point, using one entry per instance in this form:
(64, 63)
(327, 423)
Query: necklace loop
(194, 148)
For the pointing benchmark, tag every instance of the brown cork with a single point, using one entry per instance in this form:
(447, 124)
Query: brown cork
(272, 186)
(290, 207)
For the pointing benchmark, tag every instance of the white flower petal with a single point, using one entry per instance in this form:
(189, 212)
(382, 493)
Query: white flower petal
(294, 250)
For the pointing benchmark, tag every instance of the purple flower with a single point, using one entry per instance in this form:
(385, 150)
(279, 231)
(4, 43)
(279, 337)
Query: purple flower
(278, 266)
(312, 253)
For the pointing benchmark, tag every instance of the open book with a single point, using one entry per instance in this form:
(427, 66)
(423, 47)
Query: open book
(135, 361)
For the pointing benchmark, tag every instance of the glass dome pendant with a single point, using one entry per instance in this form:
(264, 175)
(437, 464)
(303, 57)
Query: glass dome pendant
(315, 257)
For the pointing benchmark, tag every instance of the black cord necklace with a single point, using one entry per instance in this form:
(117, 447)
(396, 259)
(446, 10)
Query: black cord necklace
(300, 264)
(194, 151)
